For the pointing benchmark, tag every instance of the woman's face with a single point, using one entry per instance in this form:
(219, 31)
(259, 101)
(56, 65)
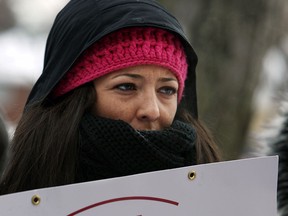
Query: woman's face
(144, 96)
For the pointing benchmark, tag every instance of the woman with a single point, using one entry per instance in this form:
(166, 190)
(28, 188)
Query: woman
(111, 99)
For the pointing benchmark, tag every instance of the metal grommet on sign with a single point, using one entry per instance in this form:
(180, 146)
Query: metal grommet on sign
(36, 199)
(192, 175)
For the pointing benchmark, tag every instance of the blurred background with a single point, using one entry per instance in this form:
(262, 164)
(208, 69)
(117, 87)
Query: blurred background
(242, 72)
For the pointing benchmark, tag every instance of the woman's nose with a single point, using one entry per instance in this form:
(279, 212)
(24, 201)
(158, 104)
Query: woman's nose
(148, 109)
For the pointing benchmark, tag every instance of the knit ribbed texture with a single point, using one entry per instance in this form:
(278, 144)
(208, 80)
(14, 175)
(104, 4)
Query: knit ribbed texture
(125, 48)
(112, 148)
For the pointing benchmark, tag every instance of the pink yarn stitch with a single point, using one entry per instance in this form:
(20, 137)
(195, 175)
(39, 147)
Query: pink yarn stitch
(125, 48)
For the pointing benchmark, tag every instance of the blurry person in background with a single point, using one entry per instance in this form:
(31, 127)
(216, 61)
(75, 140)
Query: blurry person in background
(279, 146)
(3, 144)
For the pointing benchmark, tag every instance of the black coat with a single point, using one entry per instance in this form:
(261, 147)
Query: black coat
(93, 19)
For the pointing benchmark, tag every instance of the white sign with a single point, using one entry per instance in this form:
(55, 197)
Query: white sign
(244, 187)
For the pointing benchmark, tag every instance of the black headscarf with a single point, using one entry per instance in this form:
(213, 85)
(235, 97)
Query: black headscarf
(83, 22)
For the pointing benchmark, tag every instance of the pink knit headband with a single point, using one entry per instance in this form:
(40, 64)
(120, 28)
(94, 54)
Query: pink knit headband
(125, 48)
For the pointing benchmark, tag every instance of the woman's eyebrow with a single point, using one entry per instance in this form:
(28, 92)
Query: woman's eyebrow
(138, 76)
(167, 79)
(135, 76)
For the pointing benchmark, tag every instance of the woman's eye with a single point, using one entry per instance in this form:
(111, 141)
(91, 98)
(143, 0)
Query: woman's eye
(168, 90)
(126, 87)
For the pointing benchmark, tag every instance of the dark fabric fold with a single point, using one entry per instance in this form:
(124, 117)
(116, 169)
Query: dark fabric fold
(112, 148)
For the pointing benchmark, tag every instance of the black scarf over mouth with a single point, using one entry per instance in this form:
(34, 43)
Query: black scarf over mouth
(112, 148)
